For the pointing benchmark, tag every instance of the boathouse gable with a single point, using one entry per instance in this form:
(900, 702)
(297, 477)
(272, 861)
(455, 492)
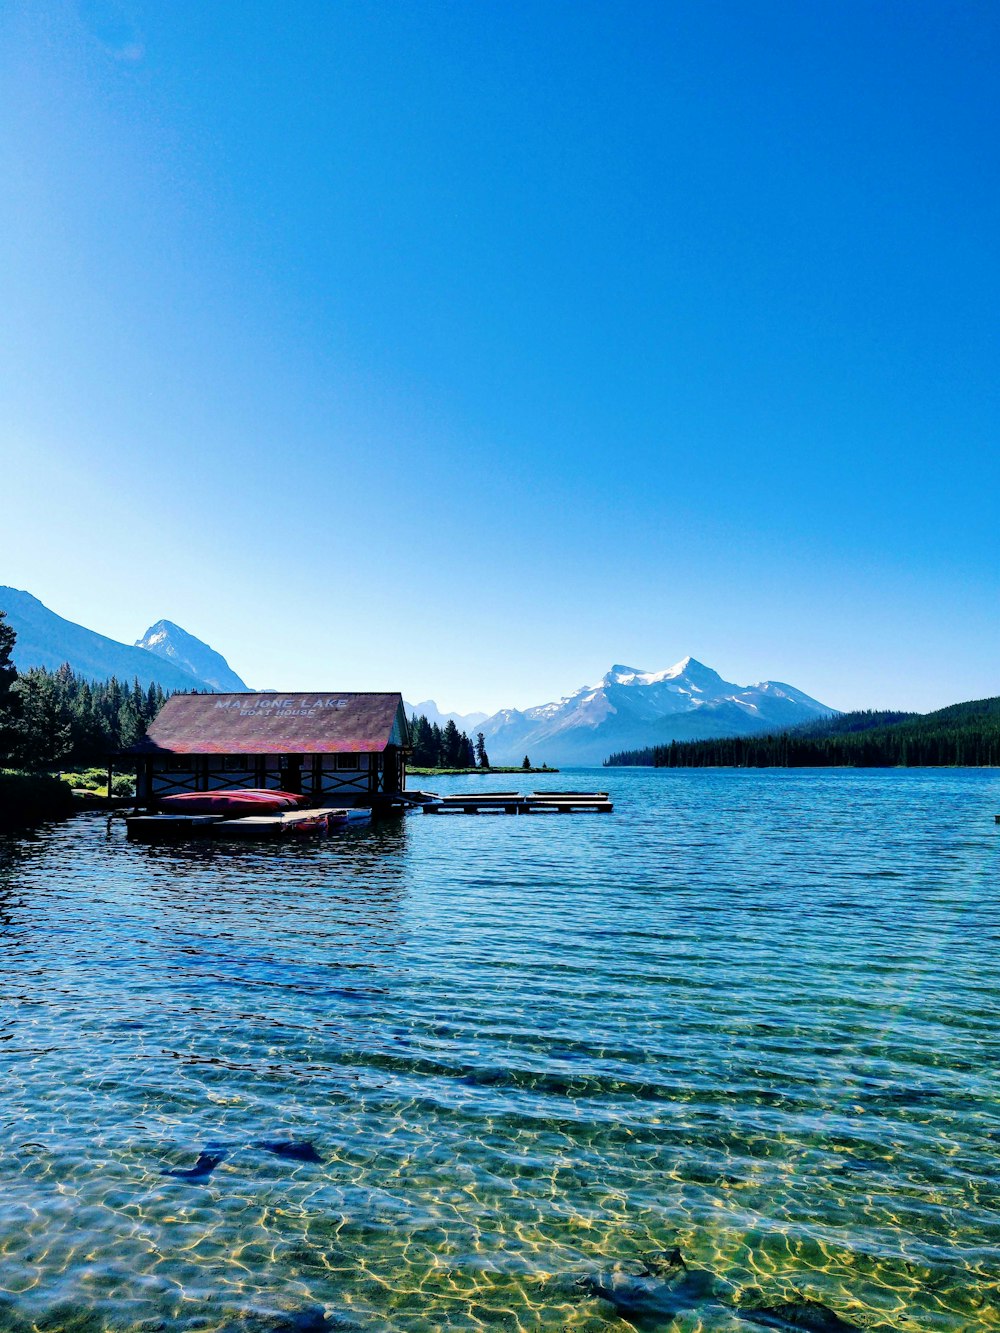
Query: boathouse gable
(345, 747)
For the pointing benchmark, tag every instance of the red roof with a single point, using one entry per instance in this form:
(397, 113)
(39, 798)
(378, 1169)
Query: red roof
(276, 724)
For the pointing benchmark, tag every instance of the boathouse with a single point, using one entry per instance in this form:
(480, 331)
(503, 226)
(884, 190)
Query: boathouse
(344, 749)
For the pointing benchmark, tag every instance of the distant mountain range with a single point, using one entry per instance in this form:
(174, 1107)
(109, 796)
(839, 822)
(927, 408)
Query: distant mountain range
(467, 722)
(166, 653)
(629, 708)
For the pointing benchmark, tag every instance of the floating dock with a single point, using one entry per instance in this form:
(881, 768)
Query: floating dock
(167, 826)
(318, 822)
(290, 823)
(516, 803)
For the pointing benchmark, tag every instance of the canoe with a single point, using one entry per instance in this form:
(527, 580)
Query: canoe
(354, 815)
(227, 803)
(314, 826)
(271, 793)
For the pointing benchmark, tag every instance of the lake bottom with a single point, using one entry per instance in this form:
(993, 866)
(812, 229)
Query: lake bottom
(723, 1059)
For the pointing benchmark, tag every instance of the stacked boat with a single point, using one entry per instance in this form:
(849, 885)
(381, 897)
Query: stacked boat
(231, 804)
(245, 812)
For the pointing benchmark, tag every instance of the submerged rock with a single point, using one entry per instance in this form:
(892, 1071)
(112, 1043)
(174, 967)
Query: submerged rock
(311, 1319)
(295, 1150)
(202, 1169)
(662, 1289)
(63, 1317)
(798, 1315)
(651, 1297)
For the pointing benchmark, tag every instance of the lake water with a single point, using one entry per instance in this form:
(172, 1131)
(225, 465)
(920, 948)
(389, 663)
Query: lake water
(750, 1015)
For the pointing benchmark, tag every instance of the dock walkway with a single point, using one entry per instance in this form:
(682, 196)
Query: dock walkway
(319, 821)
(304, 823)
(515, 803)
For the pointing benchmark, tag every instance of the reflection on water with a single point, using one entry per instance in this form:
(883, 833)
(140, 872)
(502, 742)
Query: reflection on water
(457, 1072)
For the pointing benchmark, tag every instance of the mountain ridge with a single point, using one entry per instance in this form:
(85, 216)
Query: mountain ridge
(47, 639)
(631, 708)
(627, 709)
(429, 709)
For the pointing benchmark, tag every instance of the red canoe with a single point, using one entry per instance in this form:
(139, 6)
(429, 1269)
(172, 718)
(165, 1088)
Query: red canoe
(271, 793)
(252, 801)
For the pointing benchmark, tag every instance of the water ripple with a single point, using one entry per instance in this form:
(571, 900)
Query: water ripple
(752, 1016)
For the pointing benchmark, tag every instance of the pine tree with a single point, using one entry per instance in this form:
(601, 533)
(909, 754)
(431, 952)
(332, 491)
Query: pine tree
(482, 758)
(131, 727)
(85, 725)
(424, 755)
(114, 697)
(43, 736)
(451, 746)
(8, 671)
(527, 762)
(8, 675)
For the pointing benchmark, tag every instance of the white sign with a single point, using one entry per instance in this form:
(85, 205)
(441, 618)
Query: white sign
(278, 706)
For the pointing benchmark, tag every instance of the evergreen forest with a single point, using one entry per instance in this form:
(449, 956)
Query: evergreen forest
(962, 735)
(54, 719)
(443, 747)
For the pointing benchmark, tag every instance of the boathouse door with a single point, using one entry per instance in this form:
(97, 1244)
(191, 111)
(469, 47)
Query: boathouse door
(290, 773)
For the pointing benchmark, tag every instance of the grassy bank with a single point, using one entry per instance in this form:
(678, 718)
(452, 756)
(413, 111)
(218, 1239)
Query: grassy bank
(95, 780)
(461, 772)
(30, 798)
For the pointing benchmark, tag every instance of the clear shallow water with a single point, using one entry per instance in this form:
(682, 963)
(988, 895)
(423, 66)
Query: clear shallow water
(752, 1015)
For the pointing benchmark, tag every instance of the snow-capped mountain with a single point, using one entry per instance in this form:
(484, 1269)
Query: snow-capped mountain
(629, 708)
(176, 645)
(45, 639)
(429, 709)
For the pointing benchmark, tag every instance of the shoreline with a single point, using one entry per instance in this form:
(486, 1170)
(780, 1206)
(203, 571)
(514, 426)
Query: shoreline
(28, 798)
(463, 772)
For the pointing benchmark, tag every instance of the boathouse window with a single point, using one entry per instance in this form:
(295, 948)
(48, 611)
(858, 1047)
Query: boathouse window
(236, 763)
(347, 761)
(179, 764)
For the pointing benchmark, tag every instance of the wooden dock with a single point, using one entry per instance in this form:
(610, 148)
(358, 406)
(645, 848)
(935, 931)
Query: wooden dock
(321, 821)
(294, 823)
(297, 823)
(515, 803)
(168, 826)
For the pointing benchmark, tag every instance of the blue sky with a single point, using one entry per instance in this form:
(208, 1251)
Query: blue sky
(470, 348)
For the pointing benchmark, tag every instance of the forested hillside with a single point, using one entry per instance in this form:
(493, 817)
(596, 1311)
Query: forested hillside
(59, 720)
(965, 734)
(50, 719)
